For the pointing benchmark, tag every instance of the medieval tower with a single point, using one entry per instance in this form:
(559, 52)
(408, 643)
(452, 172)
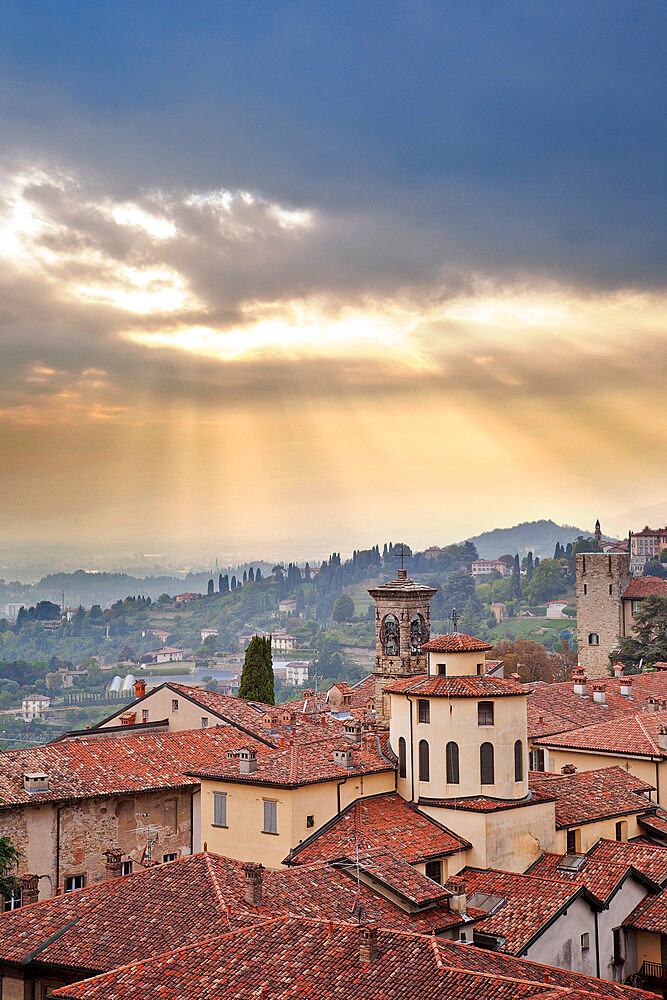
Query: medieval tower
(602, 578)
(402, 626)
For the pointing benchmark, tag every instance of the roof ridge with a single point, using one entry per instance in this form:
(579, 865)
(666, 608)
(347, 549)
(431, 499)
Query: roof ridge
(646, 734)
(222, 905)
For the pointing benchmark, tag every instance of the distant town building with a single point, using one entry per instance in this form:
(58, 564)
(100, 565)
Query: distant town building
(168, 654)
(206, 632)
(186, 598)
(432, 552)
(287, 607)
(296, 673)
(500, 611)
(644, 546)
(282, 642)
(34, 706)
(483, 567)
(555, 609)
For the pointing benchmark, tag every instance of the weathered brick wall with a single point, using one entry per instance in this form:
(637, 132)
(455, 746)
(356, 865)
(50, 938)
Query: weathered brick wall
(601, 579)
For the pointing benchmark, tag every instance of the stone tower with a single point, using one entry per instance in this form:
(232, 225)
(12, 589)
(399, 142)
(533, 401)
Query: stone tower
(402, 625)
(598, 532)
(602, 578)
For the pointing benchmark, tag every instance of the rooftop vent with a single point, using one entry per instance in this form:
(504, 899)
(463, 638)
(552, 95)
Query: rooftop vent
(247, 760)
(344, 757)
(352, 731)
(626, 687)
(579, 682)
(36, 781)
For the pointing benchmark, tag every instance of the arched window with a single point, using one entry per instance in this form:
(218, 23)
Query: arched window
(418, 634)
(401, 758)
(486, 769)
(389, 636)
(423, 761)
(518, 761)
(452, 762)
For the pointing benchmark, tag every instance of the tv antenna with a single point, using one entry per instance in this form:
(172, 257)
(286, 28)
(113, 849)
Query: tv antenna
(148, 850)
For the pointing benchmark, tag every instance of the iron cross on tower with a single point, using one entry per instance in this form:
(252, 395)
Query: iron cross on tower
(401, 555)
(455, 618)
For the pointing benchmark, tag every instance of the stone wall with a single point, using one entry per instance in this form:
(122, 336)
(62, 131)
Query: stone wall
(601, 579)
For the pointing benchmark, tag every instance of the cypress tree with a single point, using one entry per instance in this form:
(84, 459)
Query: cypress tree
(220, 583)
(515, 589)
(257, 675)
(251, 575)
(245, 577)
(233, 583)
(306, 574)
(529, 565)
(258, 575)
(209, 590)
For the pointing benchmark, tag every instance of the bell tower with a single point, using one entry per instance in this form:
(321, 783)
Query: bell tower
(402, 626)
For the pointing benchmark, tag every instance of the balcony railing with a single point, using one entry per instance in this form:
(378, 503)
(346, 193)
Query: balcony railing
(655, 972)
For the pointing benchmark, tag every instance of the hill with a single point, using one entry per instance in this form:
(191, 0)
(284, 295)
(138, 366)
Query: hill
(538, 537)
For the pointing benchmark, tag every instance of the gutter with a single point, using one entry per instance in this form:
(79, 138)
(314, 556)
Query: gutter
(338, 784)
(412, 752)
(58, 811)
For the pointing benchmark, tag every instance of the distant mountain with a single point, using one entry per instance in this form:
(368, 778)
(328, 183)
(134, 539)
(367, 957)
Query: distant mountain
(634, 520)
(538, 537)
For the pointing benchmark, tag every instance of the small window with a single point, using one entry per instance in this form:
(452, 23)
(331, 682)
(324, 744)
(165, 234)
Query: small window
(585, 589)
(219, 808)
(126, 868)
(572, 841)
(144, 715)
(310, 821)
(14, 901)
(518, 761)
(486, 765)
(433, 870)
(480, 669)
(401, 758)
(452, 763)
(423, 761)
(73, 882)
(424, 710)
(621, 830)
(585, 942)
(270, 816)
(611, 590)
(463, 937)
(619, 957)
(593, 639)
(442, 669)
(204, 721)
(174, 704)
(170, 857)
(485, 713)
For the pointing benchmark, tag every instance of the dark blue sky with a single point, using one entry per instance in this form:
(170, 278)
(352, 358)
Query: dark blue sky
(518, 134)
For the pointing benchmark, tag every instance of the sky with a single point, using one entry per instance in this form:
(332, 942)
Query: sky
(291, 277)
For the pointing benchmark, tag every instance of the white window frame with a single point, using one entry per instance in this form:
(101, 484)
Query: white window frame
(126, 867)
(270, 816)
(74, 882)
(170, 856)
(13, 902)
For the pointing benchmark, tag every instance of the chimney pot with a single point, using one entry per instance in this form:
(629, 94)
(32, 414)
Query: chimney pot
(114, 862)
(579, 682)
(599, 693)
(662, 737)
(247, 760)
(139, 688)
(368, 941)
(568, 769)
(253, 883)
(29, 888)
(458, 899)
(626, 687)
(515, 676)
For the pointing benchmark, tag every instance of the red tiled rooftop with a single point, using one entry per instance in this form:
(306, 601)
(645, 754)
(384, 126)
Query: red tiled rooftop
(383, 820)
(656, 823)
(457, 642)
(304, 762)
(600, 877)
(649, 859)
(83, 769)
(635, 735)
(587, 796)
(291, 958)
(456, 687)
(646, 586)
(388, 869)
(486, 803)
(650, 914)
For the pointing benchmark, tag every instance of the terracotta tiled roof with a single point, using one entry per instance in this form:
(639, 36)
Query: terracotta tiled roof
(587, 796)
(555, 708)
(646, 586)
(195, 896)
(83, 769)
(656, 822)
(635, 735)
(455, 643)
(291, 958)
(649, 859)
(456, 687)
(530, 904)
(386, 868)
(383, 820)
(485, 803)
(601, 878)
(304, 762)
(650, 914)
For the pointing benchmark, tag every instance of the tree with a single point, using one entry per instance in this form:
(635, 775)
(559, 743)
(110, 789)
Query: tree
(527, 658)
(515, 589)
(529, 566)
(649, 642)
(343, 609)
(209, 589)
(655, 568)
(471, 618)
(9, 859)
(663, 555)
(224, 584)
(257, 675)
(457, 590)
(548, 581)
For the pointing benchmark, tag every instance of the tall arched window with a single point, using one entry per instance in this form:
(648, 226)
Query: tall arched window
(390, 636)
(486, 768)
(518, 761)
(401, 758)
(423, 761)
(452, 762)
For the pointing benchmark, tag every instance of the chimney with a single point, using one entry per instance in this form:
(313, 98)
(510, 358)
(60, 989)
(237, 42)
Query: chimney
(29, 889)
(113, 862)
(252, 892)
(626, 687)
(352, 731)
(368, 939)
(128, 718)
(568, 769)
(653, 705)
(599, 693)
(618, 669)
(35, 781)
(662, 738)
(139, 688)
(458, 899)
(579, 681)
(516, 677)
(344, 757)
(247, 760)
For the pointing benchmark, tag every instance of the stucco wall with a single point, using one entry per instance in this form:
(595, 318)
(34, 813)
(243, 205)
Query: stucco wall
(588, 834)
(158, 704)
(620, 906)
(243, 837)
(588, 760)
(560, 945)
